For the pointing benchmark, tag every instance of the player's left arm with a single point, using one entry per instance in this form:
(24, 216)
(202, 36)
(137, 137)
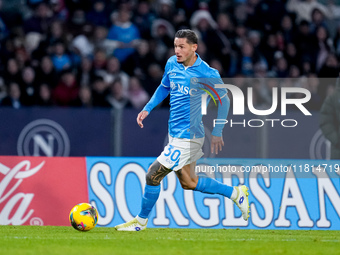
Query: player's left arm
(222, 114)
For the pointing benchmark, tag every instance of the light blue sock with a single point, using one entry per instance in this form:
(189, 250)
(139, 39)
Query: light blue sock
(211, 186)
(151, 194)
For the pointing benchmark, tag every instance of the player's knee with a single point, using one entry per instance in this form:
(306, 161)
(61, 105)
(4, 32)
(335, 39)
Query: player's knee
(152, 174)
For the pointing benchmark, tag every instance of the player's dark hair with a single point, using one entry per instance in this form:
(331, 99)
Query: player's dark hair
(190, 35)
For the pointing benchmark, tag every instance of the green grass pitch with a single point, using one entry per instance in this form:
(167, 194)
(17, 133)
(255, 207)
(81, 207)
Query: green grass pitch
(65, 240)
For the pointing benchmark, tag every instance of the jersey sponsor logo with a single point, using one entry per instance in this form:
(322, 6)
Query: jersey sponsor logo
(180, 88)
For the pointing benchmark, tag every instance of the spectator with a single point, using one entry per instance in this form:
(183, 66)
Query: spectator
(307, 66)
(22, 57)
(304, 9)
(202, 51)
(3, 28)
(59, 9)
(143, 18)
(61, 61)
(116, 97)
(219, 44)
(77, 21)
(100, 90)
(154, 78)
(165, 10)
(124, 34)
(7, 51)
(81, 47)
(137, 94)
(113, 73)
(12, 72)
(324, 47)
(162, 33)
(14, 98)
(306, 43)
(46, 73)
(245, 13)
(241, 33)
(86, 74)
(84, 98)
(215, 63)
(287, 29)
(225, 25)
(55, 34)
(98, 16)
(203, 22)
(294, 72)
(44, 96)
(281, 67)
(99, 37)
(260, 70)
(28, 86)
(267, 15)
(247, 59)
(268, 48)
(99, 60)
(330, 68)
(179, 20)
(318, 19)
(291, 55)
(137, 64)
(66, 91)
(40, 21)
(32, 41)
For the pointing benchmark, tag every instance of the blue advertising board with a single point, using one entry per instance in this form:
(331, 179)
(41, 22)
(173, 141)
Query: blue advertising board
(284, 194)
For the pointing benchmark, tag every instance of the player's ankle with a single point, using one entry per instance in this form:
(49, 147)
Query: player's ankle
(142, 221)
(234, 194)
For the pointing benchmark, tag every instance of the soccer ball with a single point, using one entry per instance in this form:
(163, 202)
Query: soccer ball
(83, 217)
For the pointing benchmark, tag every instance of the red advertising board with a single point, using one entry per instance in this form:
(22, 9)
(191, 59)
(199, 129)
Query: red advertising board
(40, 190)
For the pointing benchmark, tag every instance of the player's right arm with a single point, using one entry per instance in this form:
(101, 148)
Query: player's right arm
(160, 94)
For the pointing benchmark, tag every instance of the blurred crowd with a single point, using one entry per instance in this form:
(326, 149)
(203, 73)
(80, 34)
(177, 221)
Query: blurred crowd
(112, 53)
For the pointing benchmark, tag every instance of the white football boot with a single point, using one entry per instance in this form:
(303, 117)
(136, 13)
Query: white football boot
(242, 201)
(132, 225)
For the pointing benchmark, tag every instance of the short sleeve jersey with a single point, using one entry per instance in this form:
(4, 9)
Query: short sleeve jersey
(186, 91)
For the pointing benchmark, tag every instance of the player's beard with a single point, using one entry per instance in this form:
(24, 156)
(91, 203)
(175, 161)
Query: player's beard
(182, 61)
(187, 59)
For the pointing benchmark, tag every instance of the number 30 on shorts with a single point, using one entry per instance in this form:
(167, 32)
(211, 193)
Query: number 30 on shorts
(174, 154)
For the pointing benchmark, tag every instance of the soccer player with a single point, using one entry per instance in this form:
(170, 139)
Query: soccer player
(186, 133)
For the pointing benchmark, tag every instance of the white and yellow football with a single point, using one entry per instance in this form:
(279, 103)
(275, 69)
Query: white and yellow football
(83, 217)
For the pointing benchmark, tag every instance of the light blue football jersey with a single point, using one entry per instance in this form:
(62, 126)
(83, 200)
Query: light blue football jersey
(186, 86)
